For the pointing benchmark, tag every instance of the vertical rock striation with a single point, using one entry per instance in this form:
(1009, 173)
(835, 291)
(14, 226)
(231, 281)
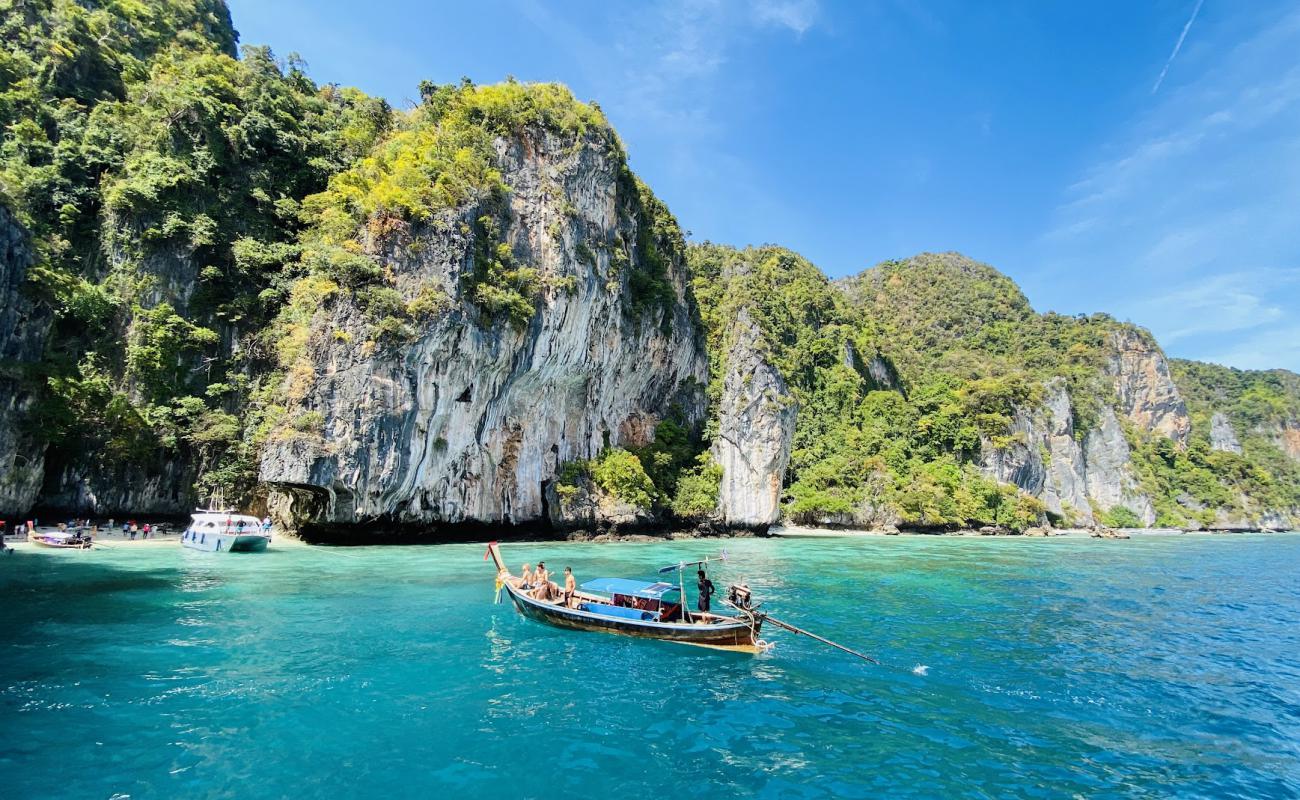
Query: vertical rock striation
(24, 325)
(1147, 393)
(1047, 460)
(1111, 483)
(756, 419)
(471, 421)
(1223, 436)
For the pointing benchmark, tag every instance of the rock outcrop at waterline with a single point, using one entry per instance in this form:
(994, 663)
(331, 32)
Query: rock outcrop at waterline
(471, 422)
(756, 419)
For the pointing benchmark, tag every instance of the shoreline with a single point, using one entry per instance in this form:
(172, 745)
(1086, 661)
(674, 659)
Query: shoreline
(814, 532)
(115, 540)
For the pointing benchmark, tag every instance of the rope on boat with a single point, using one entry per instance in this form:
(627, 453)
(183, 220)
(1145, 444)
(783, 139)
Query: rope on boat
(750, 619)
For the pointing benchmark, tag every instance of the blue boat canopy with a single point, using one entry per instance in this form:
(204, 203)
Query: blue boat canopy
(650, 591)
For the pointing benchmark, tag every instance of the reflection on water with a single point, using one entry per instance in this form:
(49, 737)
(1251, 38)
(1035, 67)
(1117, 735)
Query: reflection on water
(1057, 668)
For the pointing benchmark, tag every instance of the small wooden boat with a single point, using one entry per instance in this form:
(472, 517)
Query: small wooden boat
(67, 540)
(650, 610)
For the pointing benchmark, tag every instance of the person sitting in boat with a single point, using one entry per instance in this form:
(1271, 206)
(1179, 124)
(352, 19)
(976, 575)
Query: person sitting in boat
(545, 587)
(705, 587)
(526, 577)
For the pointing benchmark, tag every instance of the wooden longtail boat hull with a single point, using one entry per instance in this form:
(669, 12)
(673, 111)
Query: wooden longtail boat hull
(730, 633)
(45, 540)
(737, 635)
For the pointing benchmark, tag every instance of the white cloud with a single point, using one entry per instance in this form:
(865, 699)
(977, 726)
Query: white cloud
(1193, 195)
(1276, 347)
(797, 15)
(1237, 301)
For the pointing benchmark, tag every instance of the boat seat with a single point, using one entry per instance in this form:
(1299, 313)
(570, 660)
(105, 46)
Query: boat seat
(606, 610)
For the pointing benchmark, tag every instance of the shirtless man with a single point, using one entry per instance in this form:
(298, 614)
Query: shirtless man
(570, 586)
(543, 582)
(526, 578)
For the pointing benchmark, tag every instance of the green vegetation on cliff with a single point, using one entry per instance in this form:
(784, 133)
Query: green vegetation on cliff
(161, 178)
(946, 314)
(1262, 409)
(870, 446)
(910, 374)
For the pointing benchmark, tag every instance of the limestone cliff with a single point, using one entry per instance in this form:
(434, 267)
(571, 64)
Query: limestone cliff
(1044, 458)
(1111, 482)
(1287, 437)
(1223, 436)
(24, 325)
(1047, 460)
(470, 421)
(1147, 393)
(756, 419)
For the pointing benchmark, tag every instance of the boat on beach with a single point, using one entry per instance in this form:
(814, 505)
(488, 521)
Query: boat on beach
(645, 609)
(68, 540)
(223, 531)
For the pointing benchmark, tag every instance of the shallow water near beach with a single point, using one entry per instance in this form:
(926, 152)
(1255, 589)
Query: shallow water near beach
(1147, 668)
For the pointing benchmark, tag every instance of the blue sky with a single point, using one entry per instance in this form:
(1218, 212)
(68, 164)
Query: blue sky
(1136, 158)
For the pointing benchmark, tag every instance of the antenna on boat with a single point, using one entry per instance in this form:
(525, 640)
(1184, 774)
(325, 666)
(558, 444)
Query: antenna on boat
(682, 565)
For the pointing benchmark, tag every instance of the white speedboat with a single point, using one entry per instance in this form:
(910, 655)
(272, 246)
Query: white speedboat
(222, 531)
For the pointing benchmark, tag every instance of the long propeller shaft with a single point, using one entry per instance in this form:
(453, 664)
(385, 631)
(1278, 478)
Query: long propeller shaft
(822, 639)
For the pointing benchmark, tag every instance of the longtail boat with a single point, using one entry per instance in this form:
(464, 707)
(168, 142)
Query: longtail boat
(647, 609)
(68, 540)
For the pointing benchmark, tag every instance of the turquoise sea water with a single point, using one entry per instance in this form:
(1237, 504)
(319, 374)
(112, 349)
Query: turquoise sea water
(1148, 668)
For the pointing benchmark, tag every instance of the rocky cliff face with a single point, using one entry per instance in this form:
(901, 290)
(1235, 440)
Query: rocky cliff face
(1047, 460)
(1223, 436)
(469, 423)
(1110, 480)
(1044, 458)
(756, 419)
(161, 485)
(82, 481)
(1287, 437)
(1146, 390)
(23, 329)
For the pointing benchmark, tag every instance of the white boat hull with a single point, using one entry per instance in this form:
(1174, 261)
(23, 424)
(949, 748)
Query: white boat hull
(225, 542)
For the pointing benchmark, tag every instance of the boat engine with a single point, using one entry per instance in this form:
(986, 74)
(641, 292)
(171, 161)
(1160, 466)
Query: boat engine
(739, 595)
